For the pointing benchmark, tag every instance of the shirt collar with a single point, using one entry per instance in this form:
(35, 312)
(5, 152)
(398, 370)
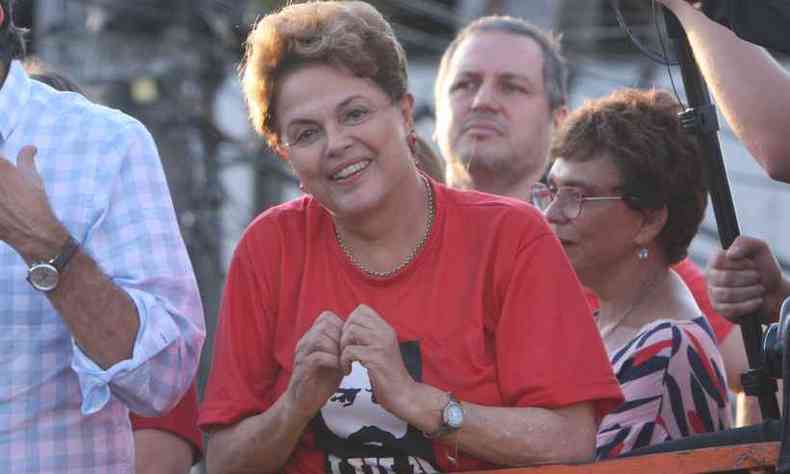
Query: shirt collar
(13, 97)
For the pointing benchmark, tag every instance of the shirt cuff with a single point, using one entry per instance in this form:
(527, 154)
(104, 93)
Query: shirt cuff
(150, 340)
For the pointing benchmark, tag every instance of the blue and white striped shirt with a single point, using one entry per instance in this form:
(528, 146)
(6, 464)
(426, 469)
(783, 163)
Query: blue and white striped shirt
(60, 412)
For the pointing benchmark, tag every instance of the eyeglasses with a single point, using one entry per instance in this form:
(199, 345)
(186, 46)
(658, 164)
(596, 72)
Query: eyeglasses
(567, 200)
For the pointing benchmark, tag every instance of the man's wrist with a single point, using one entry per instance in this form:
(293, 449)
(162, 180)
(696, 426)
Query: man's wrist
(42, 247)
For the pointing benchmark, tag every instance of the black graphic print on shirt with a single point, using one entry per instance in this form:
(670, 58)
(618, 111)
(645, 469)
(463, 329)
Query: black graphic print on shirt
(361, 437)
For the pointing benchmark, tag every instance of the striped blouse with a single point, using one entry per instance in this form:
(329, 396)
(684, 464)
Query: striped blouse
(674, 385)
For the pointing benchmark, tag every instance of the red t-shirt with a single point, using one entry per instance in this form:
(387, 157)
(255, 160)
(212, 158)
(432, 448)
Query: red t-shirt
(490, 310)
(695, 281)
(181, 421)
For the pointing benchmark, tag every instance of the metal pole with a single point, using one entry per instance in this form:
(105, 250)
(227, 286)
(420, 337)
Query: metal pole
(721, 199)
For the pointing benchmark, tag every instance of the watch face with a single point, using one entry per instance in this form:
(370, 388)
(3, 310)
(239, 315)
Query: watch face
(454, 415)
(43, 277)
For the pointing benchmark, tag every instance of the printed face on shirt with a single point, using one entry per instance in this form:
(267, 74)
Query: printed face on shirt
(359, 436)
(353, 413)
(345, 138)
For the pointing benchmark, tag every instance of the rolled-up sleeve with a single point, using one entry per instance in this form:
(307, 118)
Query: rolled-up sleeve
(134, 238)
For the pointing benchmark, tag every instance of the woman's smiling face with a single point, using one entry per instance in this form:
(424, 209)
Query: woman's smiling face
(344, 137)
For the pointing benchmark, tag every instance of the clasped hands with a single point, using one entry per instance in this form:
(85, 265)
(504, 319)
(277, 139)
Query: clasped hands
(27, 222)
(325, 353)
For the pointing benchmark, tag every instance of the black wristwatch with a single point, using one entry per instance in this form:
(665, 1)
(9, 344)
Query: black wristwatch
(452, 418)
(44, 276)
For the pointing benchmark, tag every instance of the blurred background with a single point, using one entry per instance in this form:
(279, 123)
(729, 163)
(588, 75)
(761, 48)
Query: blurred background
(173, 65)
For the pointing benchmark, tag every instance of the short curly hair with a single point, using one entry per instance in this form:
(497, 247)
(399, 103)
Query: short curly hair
(659, 161)
(349, 35)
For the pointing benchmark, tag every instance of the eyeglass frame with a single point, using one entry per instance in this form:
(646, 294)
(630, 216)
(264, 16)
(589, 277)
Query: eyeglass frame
(541, 187)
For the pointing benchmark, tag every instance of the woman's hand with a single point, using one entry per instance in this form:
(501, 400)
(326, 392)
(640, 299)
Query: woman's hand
(317, 371)
(370, 340)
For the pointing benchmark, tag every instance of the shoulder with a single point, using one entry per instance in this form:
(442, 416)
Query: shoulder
(470, 201)
(286, 223)
(500, 214)
(80, 120)
(669, 338)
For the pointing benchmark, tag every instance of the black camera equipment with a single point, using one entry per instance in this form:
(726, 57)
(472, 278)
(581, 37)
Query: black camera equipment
(774, 344)
(762, 22)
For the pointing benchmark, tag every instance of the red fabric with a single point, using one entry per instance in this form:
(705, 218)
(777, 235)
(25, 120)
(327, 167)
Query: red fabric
(492, 300)
(181, 421)
(694, 279)
(648, 352)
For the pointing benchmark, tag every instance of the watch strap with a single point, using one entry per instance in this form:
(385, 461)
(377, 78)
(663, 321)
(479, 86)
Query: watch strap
(66, 253)
(444, 428)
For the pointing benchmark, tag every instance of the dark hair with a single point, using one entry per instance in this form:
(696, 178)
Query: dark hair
(555, 70)
(40, 72)
(659, 161)
(57, 81)
(12, 40)
(427, 160)
(348, 35)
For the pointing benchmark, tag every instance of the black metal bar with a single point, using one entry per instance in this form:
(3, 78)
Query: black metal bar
(721, 199)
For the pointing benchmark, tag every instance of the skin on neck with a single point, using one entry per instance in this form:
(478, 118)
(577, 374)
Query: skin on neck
(501, 185)
(619, 287)
(382, 238)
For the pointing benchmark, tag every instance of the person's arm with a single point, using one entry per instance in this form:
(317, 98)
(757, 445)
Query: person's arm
(751, 88)
(511, 436)
(129, 295)
(170, 443)
(85, 297)
(248, 430)
(264, 442)
(259, 443)
(161, 452)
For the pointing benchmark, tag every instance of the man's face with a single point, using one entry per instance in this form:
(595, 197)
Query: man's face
(492, 112)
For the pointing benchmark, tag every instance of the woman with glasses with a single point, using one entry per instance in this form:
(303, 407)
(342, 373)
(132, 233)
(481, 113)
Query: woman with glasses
(383, 322)
(625, 196)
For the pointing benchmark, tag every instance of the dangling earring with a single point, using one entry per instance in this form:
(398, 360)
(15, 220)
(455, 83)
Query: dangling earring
(411, 140)
(642, 254)
(301, 186)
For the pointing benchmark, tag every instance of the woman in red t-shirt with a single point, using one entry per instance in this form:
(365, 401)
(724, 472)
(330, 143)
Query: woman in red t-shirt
(383, 319)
